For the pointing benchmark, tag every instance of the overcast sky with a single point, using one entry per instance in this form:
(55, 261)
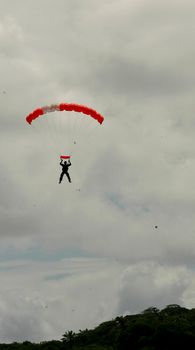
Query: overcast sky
(74, 255)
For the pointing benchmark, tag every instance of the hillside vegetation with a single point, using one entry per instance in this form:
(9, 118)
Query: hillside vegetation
(171, 328)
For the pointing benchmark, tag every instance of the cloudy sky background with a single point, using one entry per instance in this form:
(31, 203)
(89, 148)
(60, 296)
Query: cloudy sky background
(72, 256)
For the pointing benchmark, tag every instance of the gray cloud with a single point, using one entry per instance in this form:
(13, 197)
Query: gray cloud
(134, 63)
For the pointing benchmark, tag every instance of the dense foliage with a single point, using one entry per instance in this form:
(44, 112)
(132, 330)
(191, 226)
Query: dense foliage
(153, 329)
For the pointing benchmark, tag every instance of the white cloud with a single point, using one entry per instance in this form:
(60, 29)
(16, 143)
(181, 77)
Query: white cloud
(148, 284)
(50, 298)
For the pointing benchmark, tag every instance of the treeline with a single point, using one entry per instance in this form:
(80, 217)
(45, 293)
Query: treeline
(171, 328)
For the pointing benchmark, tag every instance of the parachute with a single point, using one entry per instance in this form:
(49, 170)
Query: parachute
(64, 130)
(65, 107)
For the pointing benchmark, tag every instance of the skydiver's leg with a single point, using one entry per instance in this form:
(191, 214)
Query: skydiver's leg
(68, 176)
(61, 177)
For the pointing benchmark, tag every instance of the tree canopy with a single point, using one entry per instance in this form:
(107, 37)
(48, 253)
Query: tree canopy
(170, 328)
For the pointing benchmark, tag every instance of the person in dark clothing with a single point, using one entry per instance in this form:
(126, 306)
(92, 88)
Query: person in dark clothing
(65, 167)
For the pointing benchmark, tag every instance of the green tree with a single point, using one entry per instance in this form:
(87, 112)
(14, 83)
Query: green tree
(68, 339)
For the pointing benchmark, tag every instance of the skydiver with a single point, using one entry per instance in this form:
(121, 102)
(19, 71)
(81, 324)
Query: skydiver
(65, 167)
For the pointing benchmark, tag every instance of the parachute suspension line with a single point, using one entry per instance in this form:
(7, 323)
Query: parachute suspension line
(39, 132)
(44, 129)
(68, 142)
(51, 136)
(49, 125)
(77, 127)
(57, 131)
(72, 126)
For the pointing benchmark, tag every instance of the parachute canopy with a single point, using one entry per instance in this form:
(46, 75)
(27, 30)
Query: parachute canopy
(65, 107)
